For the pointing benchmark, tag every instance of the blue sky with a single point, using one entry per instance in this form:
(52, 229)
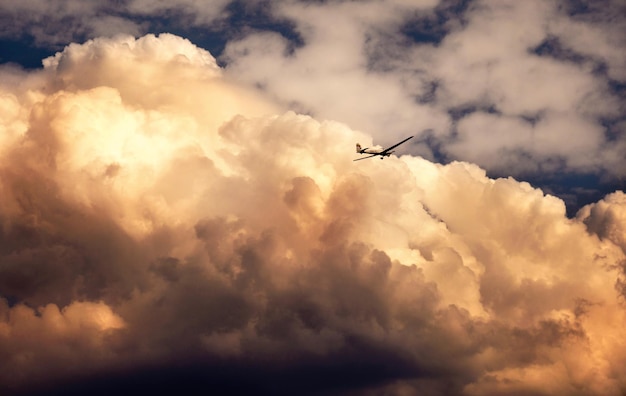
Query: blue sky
(180, 211)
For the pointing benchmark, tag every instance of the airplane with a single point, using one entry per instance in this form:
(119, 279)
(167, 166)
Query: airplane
(374, 152)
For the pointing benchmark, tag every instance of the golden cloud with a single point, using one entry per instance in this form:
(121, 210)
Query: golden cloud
(154, 212)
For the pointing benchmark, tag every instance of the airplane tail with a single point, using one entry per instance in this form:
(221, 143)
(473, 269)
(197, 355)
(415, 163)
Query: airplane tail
(358, 148)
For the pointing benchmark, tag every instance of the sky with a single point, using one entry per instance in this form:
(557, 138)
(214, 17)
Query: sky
(181, 212)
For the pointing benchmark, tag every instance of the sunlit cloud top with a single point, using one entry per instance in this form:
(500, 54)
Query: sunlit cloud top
(532, 89)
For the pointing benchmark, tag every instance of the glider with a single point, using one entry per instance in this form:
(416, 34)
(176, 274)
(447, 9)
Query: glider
(374, 152)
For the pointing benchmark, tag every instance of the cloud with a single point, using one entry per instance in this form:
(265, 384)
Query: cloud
(606, 219)
(165, 228)
(58, 23)
(597, 33)
(342, 87)
(198, 12)
(433, 68)
(47, 343)
(549, 74)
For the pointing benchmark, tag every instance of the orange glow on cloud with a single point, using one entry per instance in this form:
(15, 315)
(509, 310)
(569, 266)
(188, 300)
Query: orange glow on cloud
(154, 210)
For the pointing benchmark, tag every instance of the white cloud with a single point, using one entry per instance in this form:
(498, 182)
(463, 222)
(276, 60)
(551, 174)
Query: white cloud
(329, 76)
(599, 34)
(398, 68)
(356, 66)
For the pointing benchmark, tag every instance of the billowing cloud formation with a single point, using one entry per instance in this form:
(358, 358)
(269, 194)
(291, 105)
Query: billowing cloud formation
(163, 228)
(520, 88)
(531, 89)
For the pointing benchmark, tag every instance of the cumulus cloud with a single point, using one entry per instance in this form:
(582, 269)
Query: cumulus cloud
(330, 74)
(606, 219)
(166, 228)
(548, 75)
(544, 72)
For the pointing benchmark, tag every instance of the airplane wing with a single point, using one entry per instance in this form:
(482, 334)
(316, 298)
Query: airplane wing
(396, 145)
(369, 156)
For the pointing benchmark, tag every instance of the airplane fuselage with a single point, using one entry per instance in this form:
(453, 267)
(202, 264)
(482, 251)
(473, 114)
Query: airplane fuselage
(368, 150)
